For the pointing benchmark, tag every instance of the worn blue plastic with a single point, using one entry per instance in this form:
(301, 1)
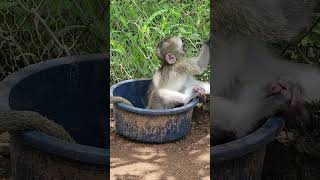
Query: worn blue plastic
(148, 125)
(242, 159)
(72, 91)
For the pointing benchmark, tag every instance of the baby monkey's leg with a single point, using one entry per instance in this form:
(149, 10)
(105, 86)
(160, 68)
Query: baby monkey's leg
(204, 85)
(290, 93)
(286, 90)
(241, 116)
(193, 83)
(165, 98)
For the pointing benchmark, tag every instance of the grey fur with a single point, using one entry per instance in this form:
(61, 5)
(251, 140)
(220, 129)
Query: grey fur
(172, 85)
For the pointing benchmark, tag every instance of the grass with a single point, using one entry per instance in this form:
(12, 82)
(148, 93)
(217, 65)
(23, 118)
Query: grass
(56, 28)
(137, 25)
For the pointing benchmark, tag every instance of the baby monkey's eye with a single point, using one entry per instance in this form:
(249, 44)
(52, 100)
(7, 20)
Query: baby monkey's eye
(183, 48)
(182, 40)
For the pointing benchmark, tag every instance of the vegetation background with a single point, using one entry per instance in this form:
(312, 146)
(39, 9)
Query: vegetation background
(38, 30)
(137, 25)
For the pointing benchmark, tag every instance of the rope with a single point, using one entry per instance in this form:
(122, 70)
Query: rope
(118, 99)
(17, 121)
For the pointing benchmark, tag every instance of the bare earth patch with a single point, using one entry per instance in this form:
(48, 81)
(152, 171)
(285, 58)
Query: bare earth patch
(4, 157)
(187, 158)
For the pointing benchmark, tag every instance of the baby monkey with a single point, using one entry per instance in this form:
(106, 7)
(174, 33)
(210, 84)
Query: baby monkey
(173, 84)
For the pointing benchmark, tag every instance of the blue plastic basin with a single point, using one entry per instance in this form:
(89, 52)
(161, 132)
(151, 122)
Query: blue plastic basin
(243, 159)
(148, 125)
(71, 91)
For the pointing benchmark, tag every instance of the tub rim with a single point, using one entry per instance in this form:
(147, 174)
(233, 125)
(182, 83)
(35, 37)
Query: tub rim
(151, 112)
(247, 144)
(41, 141)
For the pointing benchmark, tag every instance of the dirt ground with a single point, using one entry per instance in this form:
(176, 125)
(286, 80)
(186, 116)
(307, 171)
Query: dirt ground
(188, 158)
(4, 158)
(285, 162)
(4, 168)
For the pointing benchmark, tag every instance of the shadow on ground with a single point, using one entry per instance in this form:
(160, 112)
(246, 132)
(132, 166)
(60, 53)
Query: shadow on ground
(188, 158)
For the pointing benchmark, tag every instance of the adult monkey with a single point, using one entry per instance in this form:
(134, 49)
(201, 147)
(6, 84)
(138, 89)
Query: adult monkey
(236, 25)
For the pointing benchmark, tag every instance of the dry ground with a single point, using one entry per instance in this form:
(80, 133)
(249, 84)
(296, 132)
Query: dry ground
(4, 158)
(188, 158)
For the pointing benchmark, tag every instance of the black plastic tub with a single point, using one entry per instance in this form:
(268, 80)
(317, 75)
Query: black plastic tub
(148, 125)
(243, 158)
(72, 91)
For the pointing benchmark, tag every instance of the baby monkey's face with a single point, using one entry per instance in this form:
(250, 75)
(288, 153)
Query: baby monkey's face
(179, 44)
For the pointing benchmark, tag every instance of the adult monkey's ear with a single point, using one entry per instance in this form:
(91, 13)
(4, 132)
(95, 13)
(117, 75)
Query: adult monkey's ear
(170, 58)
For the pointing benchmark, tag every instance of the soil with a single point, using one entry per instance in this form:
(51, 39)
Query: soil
(4, 168)
(4, 158)
(285, 162)
(188, 158)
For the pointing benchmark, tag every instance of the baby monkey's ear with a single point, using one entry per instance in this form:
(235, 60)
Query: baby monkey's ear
(170, 58)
